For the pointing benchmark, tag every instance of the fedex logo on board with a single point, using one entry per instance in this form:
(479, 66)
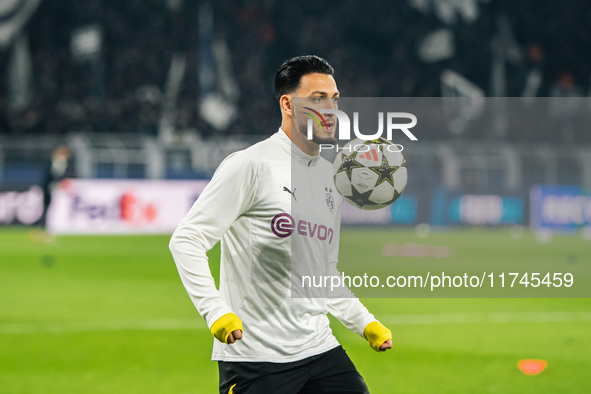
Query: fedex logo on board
(127, 208)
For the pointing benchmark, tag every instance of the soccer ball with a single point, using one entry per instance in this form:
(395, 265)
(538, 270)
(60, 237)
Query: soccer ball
(370, 174)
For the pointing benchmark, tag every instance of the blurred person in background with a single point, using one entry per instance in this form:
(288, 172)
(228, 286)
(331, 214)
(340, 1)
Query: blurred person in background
(58, 168)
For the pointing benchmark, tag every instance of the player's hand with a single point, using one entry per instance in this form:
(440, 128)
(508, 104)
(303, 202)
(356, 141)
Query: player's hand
(378, 336)
(227, 329)
(386, 345)
(234, 336)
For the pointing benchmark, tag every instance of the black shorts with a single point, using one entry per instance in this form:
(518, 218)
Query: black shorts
(329, 372)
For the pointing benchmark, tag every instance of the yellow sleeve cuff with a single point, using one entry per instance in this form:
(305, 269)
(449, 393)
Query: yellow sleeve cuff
(376, 334)
(225, 325)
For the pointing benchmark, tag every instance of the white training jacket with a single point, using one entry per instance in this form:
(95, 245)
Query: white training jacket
(277, 212)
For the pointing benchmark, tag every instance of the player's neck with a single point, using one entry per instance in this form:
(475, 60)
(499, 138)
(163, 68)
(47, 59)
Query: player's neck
(308, 147)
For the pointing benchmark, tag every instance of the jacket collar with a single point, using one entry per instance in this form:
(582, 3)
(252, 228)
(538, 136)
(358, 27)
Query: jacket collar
(295, 152)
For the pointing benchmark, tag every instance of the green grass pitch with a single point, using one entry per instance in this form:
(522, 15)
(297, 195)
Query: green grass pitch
(109, 315)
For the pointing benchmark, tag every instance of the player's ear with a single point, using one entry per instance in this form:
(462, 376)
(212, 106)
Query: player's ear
(285, 104)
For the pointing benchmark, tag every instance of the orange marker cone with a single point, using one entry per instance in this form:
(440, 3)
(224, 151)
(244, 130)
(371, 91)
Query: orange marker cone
(532, 367)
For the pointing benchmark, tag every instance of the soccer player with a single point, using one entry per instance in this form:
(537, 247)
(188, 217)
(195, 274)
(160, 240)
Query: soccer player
(274, 208)
(58, 168)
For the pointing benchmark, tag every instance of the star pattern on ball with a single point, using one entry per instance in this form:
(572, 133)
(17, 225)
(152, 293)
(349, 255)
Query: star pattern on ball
(348, 165)
(384, 172)
(360, 199)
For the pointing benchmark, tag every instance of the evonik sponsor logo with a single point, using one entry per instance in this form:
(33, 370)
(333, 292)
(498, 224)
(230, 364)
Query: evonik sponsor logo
(283, 225)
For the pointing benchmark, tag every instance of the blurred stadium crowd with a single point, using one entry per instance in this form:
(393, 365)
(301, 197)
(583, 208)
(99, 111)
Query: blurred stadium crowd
(381, 48)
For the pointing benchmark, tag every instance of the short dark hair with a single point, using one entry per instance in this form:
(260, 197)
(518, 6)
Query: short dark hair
(291, 72)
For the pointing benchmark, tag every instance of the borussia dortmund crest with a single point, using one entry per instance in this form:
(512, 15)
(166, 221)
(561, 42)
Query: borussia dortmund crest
(329, 199)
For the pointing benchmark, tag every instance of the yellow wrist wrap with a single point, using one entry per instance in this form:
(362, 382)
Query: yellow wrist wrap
(225, 325)
(376, 334)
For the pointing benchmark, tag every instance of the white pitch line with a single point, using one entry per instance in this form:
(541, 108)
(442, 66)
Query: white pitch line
(394, 320)
(491, 318)
(112, 325)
